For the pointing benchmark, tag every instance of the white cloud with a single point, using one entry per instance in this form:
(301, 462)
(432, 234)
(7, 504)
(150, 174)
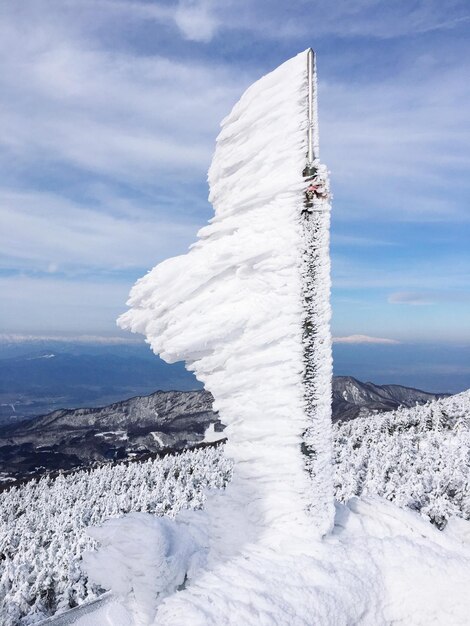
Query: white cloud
(134, 133)
(376, 19)
(196, 20)
(397, 147)
(89, 114)
(124, 115)
(46, 232)
(407, 297)
(355, 339)
(446, 271)
(340, 239)
(55, 306)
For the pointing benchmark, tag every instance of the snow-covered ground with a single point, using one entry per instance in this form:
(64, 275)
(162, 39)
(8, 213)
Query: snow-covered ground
(43, 525)
(380, 566)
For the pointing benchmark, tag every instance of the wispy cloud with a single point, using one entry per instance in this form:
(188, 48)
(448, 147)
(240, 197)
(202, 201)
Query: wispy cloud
(444, 272)
(53, 305)
(357, 339)
(392, 143)
(46, 232)
(413, 299)
(377, 19)
(356, 240)
(91, 339)
(423, 298)
(121, 115)
(109, 113)
(196, 19)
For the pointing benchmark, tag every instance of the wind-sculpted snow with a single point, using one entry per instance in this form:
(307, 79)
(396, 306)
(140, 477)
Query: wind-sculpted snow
(248, 310)
(234, 308)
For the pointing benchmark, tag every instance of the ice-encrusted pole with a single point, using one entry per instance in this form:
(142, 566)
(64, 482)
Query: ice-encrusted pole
(247, 308)
(316, 326)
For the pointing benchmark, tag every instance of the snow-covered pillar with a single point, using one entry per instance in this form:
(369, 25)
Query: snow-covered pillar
(247, 307)
(316, 284)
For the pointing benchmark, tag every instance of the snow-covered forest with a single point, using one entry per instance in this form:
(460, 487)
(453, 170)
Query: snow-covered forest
(417, 458)
(43, 524)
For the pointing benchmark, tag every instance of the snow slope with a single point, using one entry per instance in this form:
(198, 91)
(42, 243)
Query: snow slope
(234, 307)
(380, 566)
(402, 567)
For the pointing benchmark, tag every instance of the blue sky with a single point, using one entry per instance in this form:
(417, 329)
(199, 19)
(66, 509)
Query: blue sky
(109, 113)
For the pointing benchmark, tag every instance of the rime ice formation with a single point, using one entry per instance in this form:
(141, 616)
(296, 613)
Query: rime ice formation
(248, 310)
(145, 571)
(247, 307)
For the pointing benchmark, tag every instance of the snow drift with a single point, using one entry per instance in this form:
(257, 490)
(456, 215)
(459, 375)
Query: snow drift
(380, 566)
(143, 558)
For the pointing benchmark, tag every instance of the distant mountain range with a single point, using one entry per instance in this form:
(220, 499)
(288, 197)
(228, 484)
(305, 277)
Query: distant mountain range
(162, 421)
(38, 375)
(69, 376)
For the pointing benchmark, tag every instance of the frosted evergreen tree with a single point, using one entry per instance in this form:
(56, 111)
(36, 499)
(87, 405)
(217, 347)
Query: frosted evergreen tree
(43, 525)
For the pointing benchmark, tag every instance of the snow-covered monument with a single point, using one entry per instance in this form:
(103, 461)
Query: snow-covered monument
(248, 308)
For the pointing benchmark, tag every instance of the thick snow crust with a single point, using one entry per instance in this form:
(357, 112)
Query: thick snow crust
(234, 307)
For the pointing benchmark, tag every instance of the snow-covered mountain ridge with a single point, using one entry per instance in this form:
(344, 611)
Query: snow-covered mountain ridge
(69, 438)
(170, 420)
(352, 397)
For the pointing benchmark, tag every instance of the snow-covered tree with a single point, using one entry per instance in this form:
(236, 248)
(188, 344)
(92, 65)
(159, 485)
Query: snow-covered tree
(418, 458)
(43, 524)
